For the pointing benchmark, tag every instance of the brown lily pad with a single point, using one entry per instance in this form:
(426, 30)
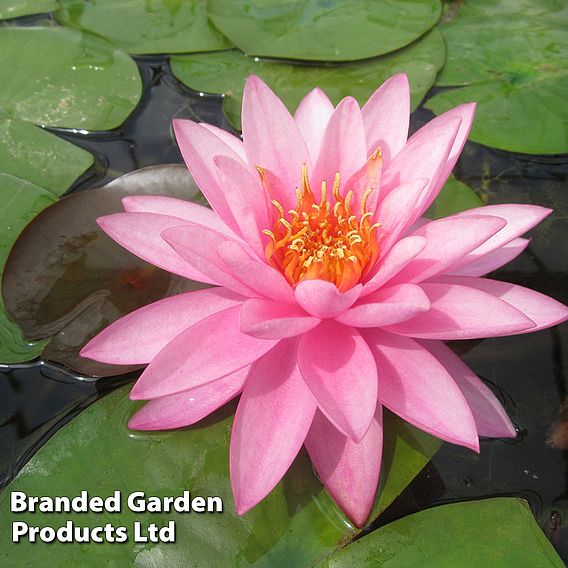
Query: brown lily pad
(65, 279)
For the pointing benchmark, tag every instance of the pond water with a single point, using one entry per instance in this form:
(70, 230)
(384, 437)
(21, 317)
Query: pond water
(527, 372)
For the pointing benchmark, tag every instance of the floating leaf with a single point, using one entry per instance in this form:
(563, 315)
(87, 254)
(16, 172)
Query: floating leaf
(31, 153)
(66, 78)
(509, 57)
(296, 525)
(454, 197)
(138, 26)
(225, 73)
(66, 279)
(494, 532)
(334, 30)
(17, 8)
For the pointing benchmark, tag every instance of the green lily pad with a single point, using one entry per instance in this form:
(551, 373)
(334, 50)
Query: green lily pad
(296, 525)
(499, 532)
(139, 26)
(66, 78)
(454, 197)
(509, 57)
(17, 8)
(334, 30)
(225, 73)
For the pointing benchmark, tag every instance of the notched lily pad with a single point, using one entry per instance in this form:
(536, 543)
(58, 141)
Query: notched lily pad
(334, 30)
(225, 73)
(138, 26)
(66, 78)
(296, 525)
(509, 57)
(65, 279)
(17, 8)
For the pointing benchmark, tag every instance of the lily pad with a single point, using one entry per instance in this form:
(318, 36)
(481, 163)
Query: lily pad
(66, 78)
(297, 525)
(334, 30)
(499, 532)
(139, 26)
(66, 279)
(510, 57)
(225, 73)
(454, 197)
(17, 8)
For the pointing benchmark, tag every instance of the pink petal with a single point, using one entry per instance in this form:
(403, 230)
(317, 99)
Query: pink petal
(542, 310)
(186, 210)
(387, 306)
(246, 200)
(139, 336)
(447, 242)
(208, 350)
(271, 424)
(461, 312)
(344, 148)
(198, 247)
(367, 177)
(198, 146)
(520, 218)
(414, 385)
(386, 116)
(271, 137)
(340, 370)
(266, 319)
(188, 407)
(396, 259)
(312, 116)
(349, 471)
(322, 299)
(140, 233)
(278, 190)
(492, 260)
(232, 141)
(255, 274)
(490, 417)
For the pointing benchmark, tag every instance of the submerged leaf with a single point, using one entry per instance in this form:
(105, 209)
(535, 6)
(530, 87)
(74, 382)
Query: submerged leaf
(225, 73)
(296, 525)
(323, 31)
(509, 57)
(66, 279)
(138, 26)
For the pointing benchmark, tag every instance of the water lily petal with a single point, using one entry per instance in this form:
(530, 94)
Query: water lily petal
(312, 116)
(346, 123)
(266, 319)
(447, 241)
(139, 336)
(461, 312)
(322, 299)
(232, 141)
(192, 358)
(543, 310)
(188, 407)
(395, 260)
(387, 115)
(271, 423)
(271, 137)
(490, 417)
(386, 307)
(349, 471)
(414, 385)
(198, 146)
(367, 177)
(255, 274)
(246, 199)
(140, 233)
(339, 368)
(492, 260)
(198, 247)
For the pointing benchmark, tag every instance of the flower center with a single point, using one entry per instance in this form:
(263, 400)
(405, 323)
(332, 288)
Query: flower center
(323, 240)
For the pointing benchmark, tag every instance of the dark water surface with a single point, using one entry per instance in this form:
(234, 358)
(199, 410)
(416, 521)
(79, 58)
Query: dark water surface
(527, 372)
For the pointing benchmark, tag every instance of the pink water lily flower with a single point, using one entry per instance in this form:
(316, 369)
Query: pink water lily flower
(331, 293)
